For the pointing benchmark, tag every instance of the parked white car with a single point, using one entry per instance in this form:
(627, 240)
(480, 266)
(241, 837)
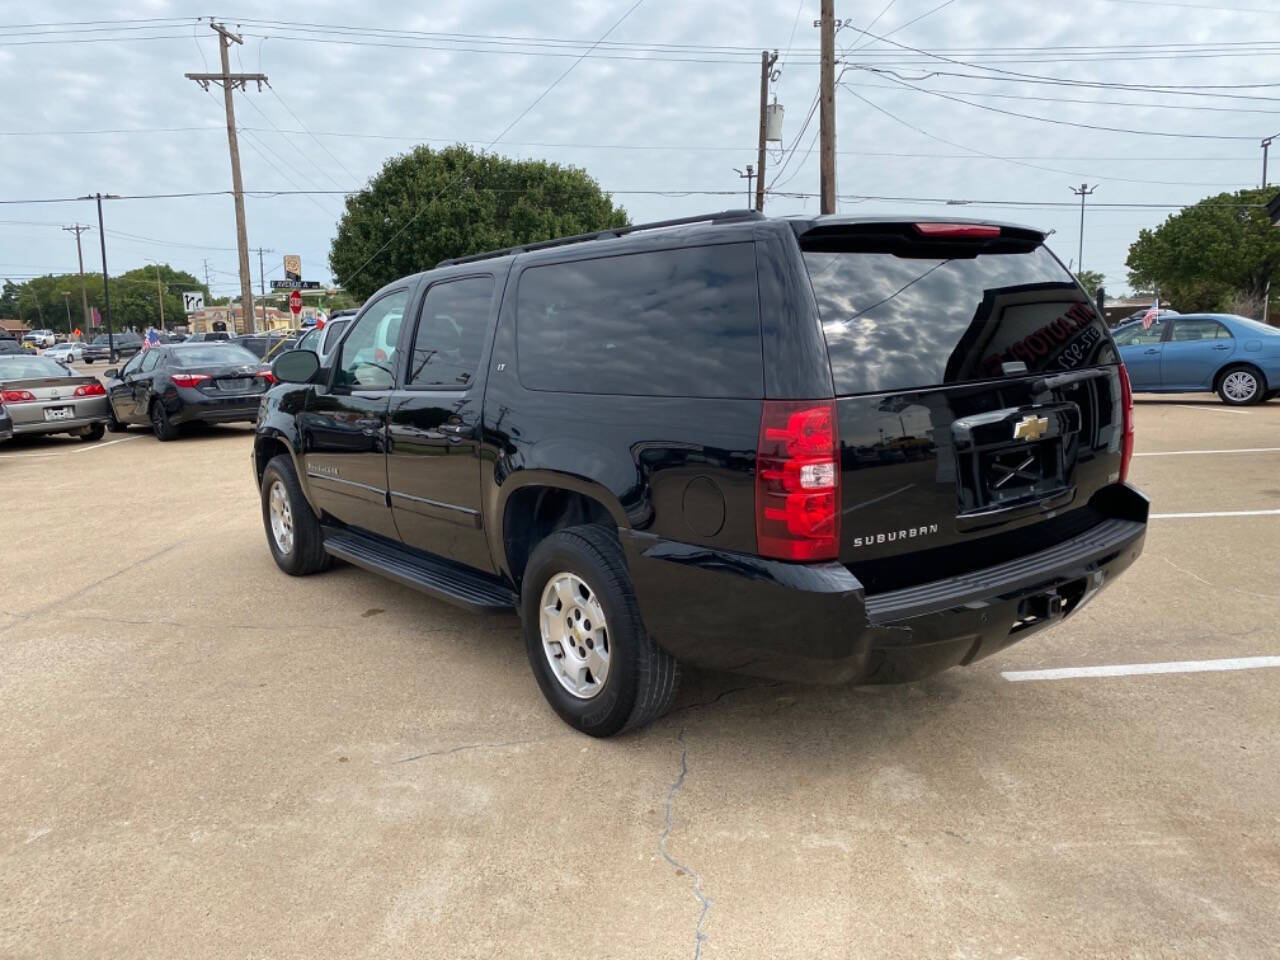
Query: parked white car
(69, 352)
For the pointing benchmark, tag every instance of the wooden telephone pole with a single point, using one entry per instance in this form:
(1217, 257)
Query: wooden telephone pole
(827, 106)
(84, 297)
(229, 82)
(767, 60)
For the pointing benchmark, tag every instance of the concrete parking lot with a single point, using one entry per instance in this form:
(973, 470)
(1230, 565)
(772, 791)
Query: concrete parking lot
(201, 757)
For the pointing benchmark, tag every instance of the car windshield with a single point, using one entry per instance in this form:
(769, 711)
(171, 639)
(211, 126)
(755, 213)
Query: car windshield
(27, 367)
(215, 354)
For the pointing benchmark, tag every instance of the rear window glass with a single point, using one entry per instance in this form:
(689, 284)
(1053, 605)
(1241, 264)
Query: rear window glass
(893, 323)
(673, 323)
(213, 356)
(31, 368)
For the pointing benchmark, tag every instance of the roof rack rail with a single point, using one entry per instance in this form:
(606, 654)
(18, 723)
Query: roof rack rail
(724, 216)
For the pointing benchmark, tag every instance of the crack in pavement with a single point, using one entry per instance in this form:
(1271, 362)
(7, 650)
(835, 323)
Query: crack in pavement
(54, 604)
(698, 936)
(462, 748)
(726, 693)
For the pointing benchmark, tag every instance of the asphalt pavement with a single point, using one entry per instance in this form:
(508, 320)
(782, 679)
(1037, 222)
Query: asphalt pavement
(202, 757)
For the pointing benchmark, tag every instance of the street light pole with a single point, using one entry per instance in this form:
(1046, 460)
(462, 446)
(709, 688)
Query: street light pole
(106, 284)
(748, 176)
(1082, 191)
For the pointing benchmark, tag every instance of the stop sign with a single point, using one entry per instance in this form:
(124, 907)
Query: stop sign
(295, 302)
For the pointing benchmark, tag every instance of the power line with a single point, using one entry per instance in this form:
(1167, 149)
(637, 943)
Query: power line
(1075, 123)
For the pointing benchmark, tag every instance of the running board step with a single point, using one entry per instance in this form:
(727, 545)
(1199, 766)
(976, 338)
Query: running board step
(432, 575)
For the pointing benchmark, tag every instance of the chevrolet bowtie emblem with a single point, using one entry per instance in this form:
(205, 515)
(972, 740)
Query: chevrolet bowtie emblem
(1030, 428)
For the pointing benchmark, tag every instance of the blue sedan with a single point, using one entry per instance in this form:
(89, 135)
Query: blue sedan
(1195, 352)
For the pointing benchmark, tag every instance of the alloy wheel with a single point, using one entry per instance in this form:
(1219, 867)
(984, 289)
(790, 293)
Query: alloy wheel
(575, 636)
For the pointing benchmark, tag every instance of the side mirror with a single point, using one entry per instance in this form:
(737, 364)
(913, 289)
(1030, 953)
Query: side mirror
(111, 373)
(295, 366)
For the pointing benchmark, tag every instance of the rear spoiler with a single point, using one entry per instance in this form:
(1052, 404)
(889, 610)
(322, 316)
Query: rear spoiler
(916, 238)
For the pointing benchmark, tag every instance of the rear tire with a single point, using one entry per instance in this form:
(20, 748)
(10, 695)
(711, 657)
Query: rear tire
(93, 434)
(115, 426)
(161, 425)
(641, 679)
(293, 530)
(1242, 385)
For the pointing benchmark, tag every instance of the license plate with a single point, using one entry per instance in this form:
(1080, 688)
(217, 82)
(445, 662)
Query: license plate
(59, 413)
(235, 384)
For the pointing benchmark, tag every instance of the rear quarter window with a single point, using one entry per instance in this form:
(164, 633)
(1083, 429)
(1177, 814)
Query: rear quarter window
(899, 322)
(675, 323)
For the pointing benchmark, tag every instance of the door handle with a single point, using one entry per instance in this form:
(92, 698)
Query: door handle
(1221, 346)
(456, 431)
(1152, 350)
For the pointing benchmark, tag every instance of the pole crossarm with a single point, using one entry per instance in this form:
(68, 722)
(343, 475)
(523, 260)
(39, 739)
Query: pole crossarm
(238, 81)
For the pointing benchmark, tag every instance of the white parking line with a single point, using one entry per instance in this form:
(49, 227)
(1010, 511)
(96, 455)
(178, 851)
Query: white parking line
(1191, 406)
(1135, 669)
(1215, 513)
(1188, 453)
(88, 447)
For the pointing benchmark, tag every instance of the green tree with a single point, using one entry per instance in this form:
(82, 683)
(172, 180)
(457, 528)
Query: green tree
(1210, 254)
(427, 205)
(135, 297)
(1091, 280)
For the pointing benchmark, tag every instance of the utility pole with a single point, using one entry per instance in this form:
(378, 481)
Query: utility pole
(208, 286)
(1082, 191)
(748, 176)
(1266, 145)
(84, 297)
(767, 61)
(159, 293)
(229, 81)
(827, 106)
(66, 302)
(106, 285)
(262, 286)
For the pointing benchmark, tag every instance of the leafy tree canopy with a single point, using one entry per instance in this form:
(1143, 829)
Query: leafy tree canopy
(1207, 255)
(1091, 280)
(426, 206)
(39, 302)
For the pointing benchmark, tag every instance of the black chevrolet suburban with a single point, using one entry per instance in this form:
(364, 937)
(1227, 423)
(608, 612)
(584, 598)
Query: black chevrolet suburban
(822, 449)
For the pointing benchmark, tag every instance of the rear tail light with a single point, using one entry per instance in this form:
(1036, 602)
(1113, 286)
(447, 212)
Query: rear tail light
(17, 396)
(957, 231)
(798, 481)
(91, 390)
(189, 379)
(266, 375)
(1126, 403)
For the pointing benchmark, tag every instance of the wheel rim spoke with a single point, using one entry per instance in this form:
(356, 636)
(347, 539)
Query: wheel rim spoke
(574, 635)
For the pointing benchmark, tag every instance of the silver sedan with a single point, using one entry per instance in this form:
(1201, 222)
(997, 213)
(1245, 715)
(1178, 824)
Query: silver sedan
(44, 396)
(70, 352)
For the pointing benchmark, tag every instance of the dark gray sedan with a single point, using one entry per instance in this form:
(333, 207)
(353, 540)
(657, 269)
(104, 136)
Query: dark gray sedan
(44, 396)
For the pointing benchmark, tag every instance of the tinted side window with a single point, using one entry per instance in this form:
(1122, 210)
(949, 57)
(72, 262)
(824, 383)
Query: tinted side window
(1199, 330)
(450, 335)
(671, 323)
(331, 331)
(367, 357)
(149, 361)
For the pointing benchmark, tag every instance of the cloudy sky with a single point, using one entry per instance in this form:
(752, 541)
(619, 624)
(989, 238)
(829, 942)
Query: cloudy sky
(660, 114)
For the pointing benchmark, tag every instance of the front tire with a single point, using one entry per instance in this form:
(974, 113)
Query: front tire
(1241, 386)
(161, 425)
(293, 530)
(593, 660)
(93, 434)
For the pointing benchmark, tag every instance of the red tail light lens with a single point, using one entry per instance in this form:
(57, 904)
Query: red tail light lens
(17, 396)
(91, 390)
(798, 481)
(957, 231)
(266, 375)
(1126, 402)
(189, 379)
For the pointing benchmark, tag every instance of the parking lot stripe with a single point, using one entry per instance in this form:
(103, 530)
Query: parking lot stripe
(1216, 513)
(1188, 453)
(61, 453)
(1135, 669)
(1210, 409)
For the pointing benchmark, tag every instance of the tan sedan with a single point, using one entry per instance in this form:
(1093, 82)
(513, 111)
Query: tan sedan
(42, 395)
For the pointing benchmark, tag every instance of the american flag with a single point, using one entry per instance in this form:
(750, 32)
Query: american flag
(152, 339)
(1152, 315)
